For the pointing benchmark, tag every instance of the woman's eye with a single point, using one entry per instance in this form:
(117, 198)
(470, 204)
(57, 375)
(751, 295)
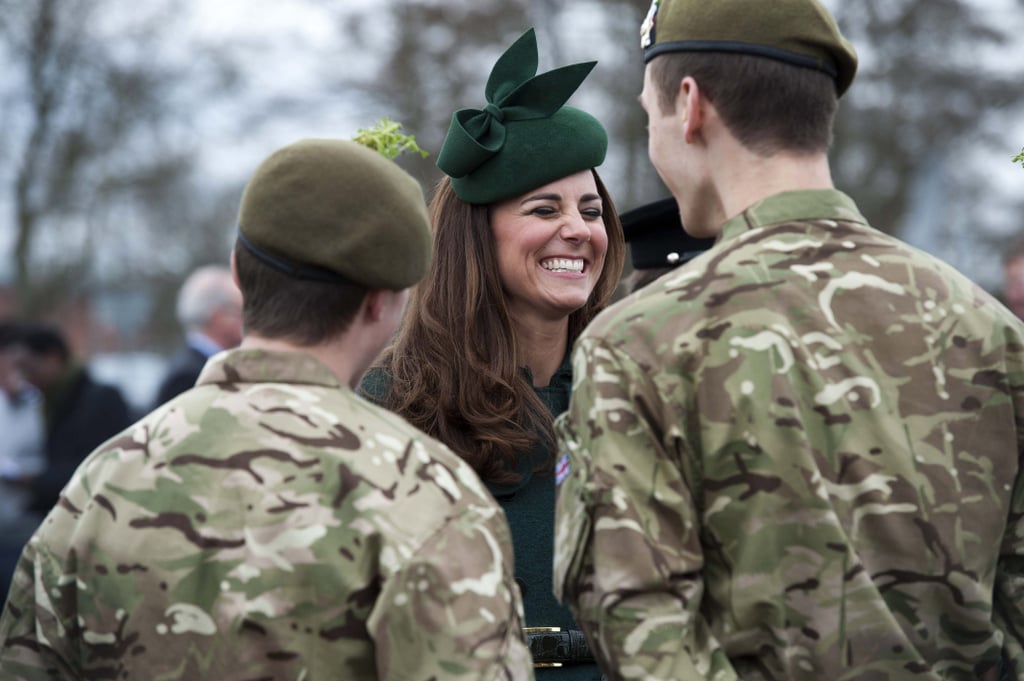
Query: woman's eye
(543, 211)
(593, 212)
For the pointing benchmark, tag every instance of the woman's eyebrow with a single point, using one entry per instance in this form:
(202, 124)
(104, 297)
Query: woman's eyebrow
(543, 197)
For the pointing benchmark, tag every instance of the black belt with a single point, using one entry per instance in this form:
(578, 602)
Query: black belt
(553, 646)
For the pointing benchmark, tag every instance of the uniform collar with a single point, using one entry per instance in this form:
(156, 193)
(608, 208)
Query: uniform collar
(806, 204)
(267, 366)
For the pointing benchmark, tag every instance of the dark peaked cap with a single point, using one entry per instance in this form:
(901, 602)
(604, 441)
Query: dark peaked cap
(524, 137)
(335, 210)
(656, 237)
(798, 32)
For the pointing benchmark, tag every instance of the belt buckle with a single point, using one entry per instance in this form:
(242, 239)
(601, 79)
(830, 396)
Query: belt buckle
(543, 630)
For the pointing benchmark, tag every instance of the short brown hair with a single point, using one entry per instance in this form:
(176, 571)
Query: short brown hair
(768, 105)
(276, 305)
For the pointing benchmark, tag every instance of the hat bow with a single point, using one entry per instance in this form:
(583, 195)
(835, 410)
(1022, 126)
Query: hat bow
(514, 93)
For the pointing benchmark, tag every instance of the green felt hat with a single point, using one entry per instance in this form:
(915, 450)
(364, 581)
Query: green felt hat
(525, 136)
(656, 238)
(334, 210)
(799, 32)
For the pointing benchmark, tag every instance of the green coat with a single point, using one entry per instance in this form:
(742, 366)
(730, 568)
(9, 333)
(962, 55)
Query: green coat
(529, 507)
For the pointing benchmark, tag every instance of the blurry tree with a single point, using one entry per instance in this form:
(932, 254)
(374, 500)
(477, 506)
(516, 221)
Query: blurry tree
(934, 92)
(437, 55)
(435, 59)
(619, 78)
(934, 88)
(97, 170)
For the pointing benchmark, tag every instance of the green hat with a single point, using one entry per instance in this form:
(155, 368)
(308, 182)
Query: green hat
(656, 236)
(799, 32)
(334, 210)
(525, 136)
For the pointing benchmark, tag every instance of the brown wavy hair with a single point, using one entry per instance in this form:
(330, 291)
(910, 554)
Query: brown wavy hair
(454, 364)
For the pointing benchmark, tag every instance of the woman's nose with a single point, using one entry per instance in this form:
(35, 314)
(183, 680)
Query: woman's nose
(575, 229)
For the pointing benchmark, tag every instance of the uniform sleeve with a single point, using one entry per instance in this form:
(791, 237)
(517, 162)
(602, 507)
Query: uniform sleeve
(33, 634)
(1008, 594)
(452, 610)
(628, 557)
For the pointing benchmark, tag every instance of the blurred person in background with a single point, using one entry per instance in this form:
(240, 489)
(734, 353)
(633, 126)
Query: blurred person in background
(657, 242)
(799, 455)
(268, 523)
(79, 412)
(1013, 276)
(528, 248)
(209, 309)
(21, 450)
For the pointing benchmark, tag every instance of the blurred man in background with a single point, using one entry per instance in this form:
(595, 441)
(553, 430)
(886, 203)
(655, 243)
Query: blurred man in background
(21, 450)
(1013, 276)
(79, 412)
(209, 309)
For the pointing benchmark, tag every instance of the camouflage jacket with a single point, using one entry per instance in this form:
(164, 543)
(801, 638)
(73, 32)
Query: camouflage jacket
(268, 524)
(797, 457)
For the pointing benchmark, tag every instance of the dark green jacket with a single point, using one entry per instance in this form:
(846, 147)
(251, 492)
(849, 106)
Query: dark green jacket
(530, 507)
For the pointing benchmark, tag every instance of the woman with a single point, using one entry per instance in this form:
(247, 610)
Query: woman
(527, 250)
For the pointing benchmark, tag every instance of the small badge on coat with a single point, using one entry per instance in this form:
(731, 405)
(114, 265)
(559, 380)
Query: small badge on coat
(562, 469)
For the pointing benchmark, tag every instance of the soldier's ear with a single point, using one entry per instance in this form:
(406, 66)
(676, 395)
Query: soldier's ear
(234, 271)
(690, 104)
(375, 304)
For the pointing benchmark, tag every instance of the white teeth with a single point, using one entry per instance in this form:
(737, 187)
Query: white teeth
(563, 264)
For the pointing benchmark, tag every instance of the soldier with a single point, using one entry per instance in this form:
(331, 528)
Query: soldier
(269, 523)
(796, 457)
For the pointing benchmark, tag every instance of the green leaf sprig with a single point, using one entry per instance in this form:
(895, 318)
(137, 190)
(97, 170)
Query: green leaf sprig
(387, 138)
(1019, 158)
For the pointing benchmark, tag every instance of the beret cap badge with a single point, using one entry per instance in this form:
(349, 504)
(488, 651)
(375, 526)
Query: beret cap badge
(647, 29)
(798, 32)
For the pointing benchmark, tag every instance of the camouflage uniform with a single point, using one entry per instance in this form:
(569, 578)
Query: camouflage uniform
(268, 524)
(796, 457)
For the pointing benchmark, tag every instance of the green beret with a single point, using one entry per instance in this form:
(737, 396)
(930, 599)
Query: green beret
(335, 210)
(799, 32)
(656, 236)
(525, 136)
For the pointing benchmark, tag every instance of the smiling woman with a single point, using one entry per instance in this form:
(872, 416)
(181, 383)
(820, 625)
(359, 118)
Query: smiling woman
(527, 250)
(551, 245)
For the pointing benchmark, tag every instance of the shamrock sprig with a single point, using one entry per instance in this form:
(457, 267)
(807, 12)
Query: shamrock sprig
(386, 137)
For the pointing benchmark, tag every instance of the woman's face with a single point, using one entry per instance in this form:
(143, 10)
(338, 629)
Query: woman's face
(551, 246)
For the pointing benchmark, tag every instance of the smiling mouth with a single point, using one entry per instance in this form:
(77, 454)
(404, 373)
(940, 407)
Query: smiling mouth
(574, 265)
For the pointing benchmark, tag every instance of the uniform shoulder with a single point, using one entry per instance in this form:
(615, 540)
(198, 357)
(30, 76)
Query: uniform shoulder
(672, 296)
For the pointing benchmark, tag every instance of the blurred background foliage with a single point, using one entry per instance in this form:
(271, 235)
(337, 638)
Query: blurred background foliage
(127, 131)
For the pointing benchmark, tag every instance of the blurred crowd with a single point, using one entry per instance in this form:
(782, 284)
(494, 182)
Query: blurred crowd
(52, 414)
(54, 411)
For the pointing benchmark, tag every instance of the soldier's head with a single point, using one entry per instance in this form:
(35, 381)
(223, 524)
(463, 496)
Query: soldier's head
(322, 223)
(774, 75)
